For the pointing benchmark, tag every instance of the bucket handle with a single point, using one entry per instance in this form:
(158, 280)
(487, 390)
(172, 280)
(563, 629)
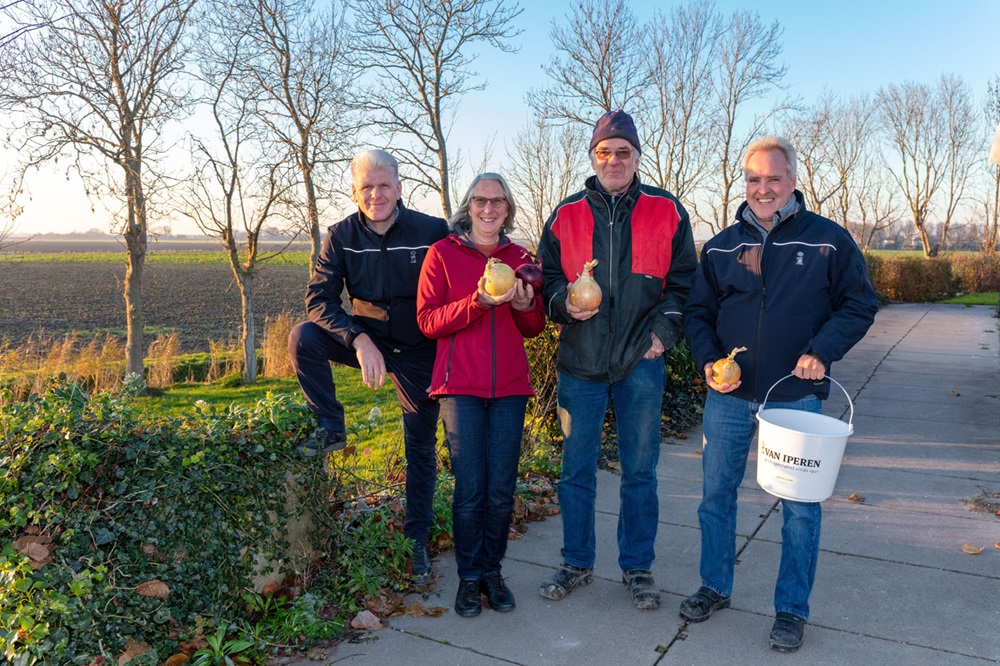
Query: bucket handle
(850, 421)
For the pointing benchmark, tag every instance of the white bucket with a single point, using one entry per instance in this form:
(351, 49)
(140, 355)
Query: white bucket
(799, 453)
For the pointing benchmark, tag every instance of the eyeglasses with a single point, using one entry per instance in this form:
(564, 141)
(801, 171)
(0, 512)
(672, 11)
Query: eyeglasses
(603, 154)
(496, 201)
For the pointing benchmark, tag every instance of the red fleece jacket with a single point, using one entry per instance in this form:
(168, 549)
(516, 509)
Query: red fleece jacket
(480, 350)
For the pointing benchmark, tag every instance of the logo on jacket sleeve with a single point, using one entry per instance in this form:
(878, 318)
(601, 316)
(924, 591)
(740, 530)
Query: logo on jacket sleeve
(413, 256)
(798, 258)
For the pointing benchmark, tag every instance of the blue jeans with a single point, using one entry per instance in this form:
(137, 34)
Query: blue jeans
(729, 425)
(483, 437)
(637, 399)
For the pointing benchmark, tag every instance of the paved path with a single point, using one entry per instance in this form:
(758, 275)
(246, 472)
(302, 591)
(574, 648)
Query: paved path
(892, 585)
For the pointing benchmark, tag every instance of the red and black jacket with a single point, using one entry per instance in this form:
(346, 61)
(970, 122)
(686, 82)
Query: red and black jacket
(480, 349)
(644, 247)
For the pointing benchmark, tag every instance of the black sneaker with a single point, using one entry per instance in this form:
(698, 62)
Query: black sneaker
(468, 602)
(562, 582)
(421, 564)
(786, 634)
(497, 593)
(641, 588)
(322, 441)
(700, 605)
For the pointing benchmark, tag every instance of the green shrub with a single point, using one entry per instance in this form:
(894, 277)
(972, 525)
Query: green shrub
(974, 273)
(919, 280)
(101, 505)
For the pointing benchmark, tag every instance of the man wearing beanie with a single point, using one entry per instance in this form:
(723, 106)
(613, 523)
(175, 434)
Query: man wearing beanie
(641, 238)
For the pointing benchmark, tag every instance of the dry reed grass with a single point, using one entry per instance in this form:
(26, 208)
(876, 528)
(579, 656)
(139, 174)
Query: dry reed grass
(275, 346)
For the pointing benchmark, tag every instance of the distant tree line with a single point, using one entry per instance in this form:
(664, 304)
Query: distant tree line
(242, 115)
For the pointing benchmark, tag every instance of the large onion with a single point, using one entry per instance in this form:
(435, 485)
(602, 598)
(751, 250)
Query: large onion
(726, 370)
(531, 274)
(499, 277)
(585, 293)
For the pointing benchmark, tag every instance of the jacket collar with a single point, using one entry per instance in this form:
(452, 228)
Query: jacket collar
(796, 204)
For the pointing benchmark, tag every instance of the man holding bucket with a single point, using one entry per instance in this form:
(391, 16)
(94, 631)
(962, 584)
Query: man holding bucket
(817, 304)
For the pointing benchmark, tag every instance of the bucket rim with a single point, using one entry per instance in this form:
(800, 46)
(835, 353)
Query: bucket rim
(771, 424)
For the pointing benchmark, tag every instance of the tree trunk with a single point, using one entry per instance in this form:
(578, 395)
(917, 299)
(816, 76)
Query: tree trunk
(136, 244)
(312, 211)
(249, 333)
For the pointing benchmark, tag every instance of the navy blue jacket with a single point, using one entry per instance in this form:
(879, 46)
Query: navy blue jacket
(804, 289)
(381, 271)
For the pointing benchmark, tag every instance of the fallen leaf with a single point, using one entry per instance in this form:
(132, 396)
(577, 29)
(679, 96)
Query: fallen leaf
(383, 605)
(417, 609)
(133, 649)
(969, 549)
(955, 393)
(177, 660)
(99, 660)
(153, 588)
(680, 435)
(854, 497)
(997, 546)
(698, 453)
(367, 621)
(616, 466)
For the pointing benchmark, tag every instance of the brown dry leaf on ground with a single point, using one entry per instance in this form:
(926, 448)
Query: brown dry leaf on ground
(384, 604)
(99, 660)
(177, 660)
(697, 453)
(854, 497)
(615, 466)
(153, 588)
(366, 620)
(133, 649)
(417, 609)
(997, 546)
(969, 549)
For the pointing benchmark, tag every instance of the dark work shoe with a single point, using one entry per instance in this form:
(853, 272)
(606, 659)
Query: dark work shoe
(468, 602)
(322, 441)
(497, 593)
(421, 564)
(562, 582)
(641, 588)
(786, 634)
(700, 605)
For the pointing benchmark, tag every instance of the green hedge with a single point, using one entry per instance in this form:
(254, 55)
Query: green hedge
(919, 280)
(101, 505)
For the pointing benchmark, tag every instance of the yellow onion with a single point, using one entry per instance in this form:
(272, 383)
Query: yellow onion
(499, 277)
(726, 370)
(585, 293)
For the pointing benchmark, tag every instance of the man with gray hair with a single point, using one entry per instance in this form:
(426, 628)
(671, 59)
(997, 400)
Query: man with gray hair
(376, 254)
(819, 303)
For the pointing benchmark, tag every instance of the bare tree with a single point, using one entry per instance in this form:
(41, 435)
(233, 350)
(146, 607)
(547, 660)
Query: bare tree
(547, 164)
(748, 69)
(809, 131)
(296, 71)
(418, 54)
(991, 203)
(99, 81)
(239, 180)
(850, 147)
(598, 66)
(874, 202)
(913, 124)
(676, 110)
(961, 137)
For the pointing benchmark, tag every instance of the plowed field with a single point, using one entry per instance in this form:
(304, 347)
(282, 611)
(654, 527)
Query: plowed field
(199, 302)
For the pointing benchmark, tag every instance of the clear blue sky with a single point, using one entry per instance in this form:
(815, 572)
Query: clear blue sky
(846, 47)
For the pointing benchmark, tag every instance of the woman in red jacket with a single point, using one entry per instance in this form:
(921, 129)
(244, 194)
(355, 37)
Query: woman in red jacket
(482, 380)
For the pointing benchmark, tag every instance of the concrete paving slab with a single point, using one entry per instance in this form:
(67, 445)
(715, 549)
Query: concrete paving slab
(914, 605)
(590, 626)
(911, 537)
(392, 646)
(739, 637)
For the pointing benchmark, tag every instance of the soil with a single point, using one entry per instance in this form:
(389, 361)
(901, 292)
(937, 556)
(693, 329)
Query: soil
(198, 302)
